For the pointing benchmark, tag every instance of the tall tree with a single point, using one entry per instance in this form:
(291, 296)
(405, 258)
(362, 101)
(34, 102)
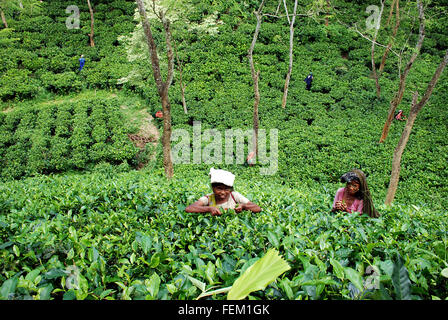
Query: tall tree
(396, 3)
(2, 14)
(291, 44)
(29, 6)
(92, 22)
(415, 109)
(162, 86)
(328, 12)
(402, 84)
(377, 28)
(255, 75)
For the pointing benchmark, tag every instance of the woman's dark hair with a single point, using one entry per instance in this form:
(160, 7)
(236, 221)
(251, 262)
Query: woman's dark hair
(218, 184)
(349, 177)
(368, 207)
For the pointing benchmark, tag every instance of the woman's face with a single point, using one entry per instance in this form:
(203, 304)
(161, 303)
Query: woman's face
(221, 191)
(352, 187)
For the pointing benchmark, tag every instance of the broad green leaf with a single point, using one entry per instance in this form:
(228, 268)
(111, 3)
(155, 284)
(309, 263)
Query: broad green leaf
(8, 287)
(388, 267)
(287, 288)
(153, 285)
(171, 288)
(337, 269)
(210, 272)
(16, 250)
(69, 295)
(400, 280)
(259, 275)
(155, 260)
(198, 284)
(273, 239)
(44, 292)
(210, 293)
(445, 272)
(54, 273)
(31, 276)
(106, 293)
(354, 277)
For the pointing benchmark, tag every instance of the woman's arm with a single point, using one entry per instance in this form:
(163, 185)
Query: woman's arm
(248, 206)
(199, 207)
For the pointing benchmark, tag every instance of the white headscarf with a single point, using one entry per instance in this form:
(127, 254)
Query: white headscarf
(221, 176)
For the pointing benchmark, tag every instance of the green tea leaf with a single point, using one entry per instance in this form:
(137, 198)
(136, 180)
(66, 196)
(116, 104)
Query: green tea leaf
(337, 269)
(153, 285)
(273, 239)
(8, 288)
(354, 277)
(198, 284)
(258, 275)
(445, 272)
(400, 280)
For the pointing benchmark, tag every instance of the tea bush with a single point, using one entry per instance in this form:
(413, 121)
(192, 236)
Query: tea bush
(59, 137)
(113, 232)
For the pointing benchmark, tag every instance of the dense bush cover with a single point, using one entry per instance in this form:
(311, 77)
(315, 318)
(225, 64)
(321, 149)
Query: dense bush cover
(124, 236)
(46, 55)
(55, 137)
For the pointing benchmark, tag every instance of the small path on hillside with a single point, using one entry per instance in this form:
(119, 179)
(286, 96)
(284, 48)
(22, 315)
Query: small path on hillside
(148, 133)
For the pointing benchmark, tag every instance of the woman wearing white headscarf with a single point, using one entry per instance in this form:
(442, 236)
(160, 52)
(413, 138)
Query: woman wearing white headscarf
(223, 196)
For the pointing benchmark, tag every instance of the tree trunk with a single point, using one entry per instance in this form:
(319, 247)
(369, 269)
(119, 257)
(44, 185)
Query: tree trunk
(181, 84)
(92, 43)
(394, 33)
(396, 161)
(328, 12)
(401, 87)
(255, 77)
(291, 44)
(3, 18)
(415, 109)
(375, 75)
(390, 12)
(162, 87)
(166, 135)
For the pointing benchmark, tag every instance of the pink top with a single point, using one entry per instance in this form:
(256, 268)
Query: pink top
(356, 205)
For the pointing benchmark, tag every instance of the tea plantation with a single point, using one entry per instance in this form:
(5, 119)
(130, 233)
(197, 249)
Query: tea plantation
(79, 221)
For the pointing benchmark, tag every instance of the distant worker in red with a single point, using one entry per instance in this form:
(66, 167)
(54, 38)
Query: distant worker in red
(250, 161)
(400, 116)
(158, 114)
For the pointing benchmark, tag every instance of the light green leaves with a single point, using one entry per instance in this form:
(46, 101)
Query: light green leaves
(445, 272)
(337, 269)
(354, 277)
(8, 288)
(259, 275)
(153, 285)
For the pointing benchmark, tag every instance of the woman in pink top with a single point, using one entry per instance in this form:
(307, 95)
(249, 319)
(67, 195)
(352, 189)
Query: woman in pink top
(355, 196)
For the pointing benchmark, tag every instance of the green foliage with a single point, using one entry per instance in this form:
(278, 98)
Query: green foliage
(115, 234)
(122, 236)
(59, 137)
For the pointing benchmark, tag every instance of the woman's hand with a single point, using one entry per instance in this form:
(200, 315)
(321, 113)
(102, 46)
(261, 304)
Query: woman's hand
(214, 211)
(340, 205)
(239, 208)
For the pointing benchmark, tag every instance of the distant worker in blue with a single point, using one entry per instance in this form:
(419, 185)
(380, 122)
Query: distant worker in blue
(82, 61)
(309, 81)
